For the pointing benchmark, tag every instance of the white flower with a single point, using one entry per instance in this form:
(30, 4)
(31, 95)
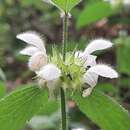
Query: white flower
(91, 76)
(95, 70)
(50, 72)
(89, 59)
(35, 49)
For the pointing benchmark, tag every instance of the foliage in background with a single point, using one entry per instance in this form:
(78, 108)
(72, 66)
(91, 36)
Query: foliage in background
(37, 16)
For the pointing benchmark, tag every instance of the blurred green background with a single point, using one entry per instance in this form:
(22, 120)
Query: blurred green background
(90, 20)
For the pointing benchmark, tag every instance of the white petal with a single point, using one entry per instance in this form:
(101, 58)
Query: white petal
(50, 72)
(91, 78)
(37, 61)
(98, 44)
(90, 61)
(29, 51)
(104, 71)
(32, 38)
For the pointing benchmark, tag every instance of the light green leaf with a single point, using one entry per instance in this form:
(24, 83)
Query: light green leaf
(20, 106)
(66, 5)
(94, 12)
(103, 111)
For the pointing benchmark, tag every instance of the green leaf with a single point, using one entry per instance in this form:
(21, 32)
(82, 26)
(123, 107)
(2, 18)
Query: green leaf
(94, 12)
(102, 110)
(20, 106)
(107, 88)
(53, 107)
(123, 59)
(66, 5)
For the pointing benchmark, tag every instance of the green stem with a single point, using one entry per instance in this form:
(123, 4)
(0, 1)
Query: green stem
(63, 110)
(65, 35)
(63, 97)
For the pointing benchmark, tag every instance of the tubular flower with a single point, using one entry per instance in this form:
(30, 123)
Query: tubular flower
(38, 61)
(95, 70)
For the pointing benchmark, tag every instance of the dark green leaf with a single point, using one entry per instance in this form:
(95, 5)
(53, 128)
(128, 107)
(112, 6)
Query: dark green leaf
(102, 110)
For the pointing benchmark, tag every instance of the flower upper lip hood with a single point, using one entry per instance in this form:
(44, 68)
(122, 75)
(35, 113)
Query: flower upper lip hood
(95, 45)
(34, 41)
(99, 44)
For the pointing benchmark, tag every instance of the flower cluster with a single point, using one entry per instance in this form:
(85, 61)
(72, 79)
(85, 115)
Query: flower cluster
(79, 68)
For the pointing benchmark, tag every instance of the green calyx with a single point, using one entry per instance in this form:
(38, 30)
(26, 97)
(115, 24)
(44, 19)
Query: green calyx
(72, 70)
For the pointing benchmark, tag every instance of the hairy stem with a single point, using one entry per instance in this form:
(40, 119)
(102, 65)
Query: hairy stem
(65, 35)
(63, 97)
